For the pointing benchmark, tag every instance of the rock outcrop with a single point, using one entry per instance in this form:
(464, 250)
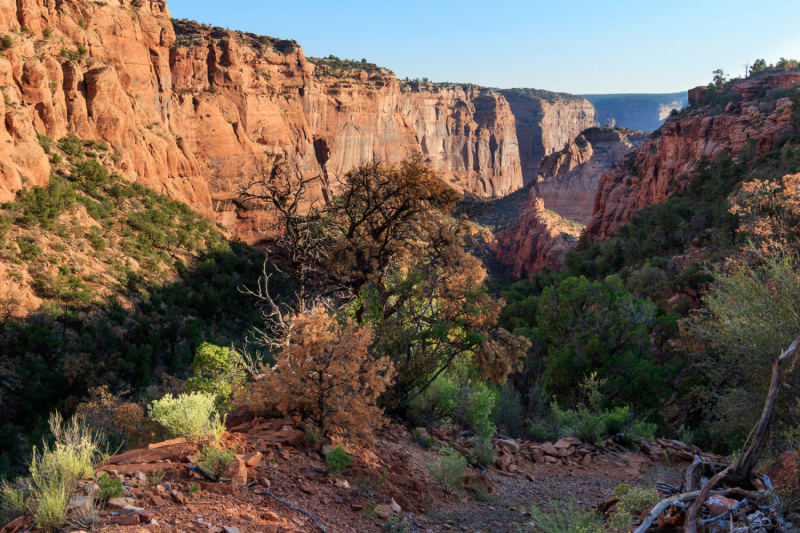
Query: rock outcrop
(194, 114)
(545, 123)
(539, 240)
(567, 179)
(665, 162)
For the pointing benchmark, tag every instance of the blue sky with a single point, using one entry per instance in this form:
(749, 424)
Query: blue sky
(599, 46)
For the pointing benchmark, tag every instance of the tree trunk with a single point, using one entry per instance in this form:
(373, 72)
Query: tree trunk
(744, 467)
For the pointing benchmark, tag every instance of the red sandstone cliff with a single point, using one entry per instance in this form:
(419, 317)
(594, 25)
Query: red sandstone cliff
(567, 179)
(538, 240)
(545, 123)
(566, 185)
(193, 117)
(664, 164)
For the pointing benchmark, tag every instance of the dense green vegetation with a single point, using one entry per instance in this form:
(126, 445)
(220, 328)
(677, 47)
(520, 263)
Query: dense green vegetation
(615, 309)
(543, 94)
(130, 290)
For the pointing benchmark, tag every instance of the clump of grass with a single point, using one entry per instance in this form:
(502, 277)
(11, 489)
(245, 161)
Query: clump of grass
(449, 471)
(564, 516)
(216, 459)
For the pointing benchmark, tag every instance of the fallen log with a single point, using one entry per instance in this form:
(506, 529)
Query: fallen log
(691, 515)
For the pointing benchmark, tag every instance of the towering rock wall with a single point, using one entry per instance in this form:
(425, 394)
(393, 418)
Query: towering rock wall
(545, 123)
(194, 115)
(665, 162)
(568, 179)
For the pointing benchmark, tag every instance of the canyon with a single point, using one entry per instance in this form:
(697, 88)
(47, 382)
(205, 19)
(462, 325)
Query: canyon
(639, 111)
(561, 200)
(545, 123)
(197, 112)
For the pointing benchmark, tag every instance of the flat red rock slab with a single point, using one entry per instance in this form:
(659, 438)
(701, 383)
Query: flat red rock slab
(174, 453)
(171, 469)
(291, 437)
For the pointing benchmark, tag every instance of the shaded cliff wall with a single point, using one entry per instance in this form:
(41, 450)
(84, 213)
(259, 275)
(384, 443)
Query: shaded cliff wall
(545, 125)
(567, 179)
(192, 115)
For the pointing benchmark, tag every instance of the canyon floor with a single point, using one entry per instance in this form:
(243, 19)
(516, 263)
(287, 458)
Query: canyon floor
(281, 485)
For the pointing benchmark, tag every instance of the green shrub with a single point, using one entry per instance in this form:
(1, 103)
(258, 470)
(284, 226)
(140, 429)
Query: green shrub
(6, 42)
(28, 250)
(641, 431)
(564, 516)
(47, 33)
(313, 433)
(617, 419)
(91, 175)
(508, 413)
(216, 459)
(45, 142)
(109, 488)
(191, 416)
(482, 453)
(685, 435)
(55, 470)
(42, 205)
(338, 460)
(450, 471)
(71, 144)
(194, 488)
(82, 51)
(458, 399)
(478, 409)
(13, 502)
(635, 500)
(82, 23)
(217, 371)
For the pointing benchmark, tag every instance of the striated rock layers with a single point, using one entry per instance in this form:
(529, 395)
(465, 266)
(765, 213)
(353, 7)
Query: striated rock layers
(539, 240)
(194, 115)
(664, 163)
(567, 179)
(545, 123)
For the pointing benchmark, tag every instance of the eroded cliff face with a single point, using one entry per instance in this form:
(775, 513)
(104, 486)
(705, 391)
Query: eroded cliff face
(538, 240)
(567, 179)
(545, 126)
(196, 116)
(665, 162)
(566, 186)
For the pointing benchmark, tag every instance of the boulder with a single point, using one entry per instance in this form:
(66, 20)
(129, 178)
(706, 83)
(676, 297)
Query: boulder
(252, 459)
(125, 519)
(549, 449)
(119, 503)
(510, 445)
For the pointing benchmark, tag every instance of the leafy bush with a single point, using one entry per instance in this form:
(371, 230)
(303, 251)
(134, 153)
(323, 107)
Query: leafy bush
(71, 144)
(45, 142)
(216, 459)
(482, 453)
(47, 33)
(191, 416)
(564, 516)
(13, 502)
(450, 471)
(43, 204)
(55, 470)
(28, 250)
(109, 488)
(313, 434)
(6, 42)
(326, 373)
(338, 460)
(508, 413)
(641, 431)
(635, 500)
(217, 371)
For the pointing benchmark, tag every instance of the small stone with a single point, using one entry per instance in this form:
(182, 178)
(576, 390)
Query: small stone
(125, 519)
(252, 459)
(264, 482)
(395, 506)
(269, 516)
(230, 529)
(140, 476)
(237, 472)
(549, 449)
(384, 512)
(119, 503)
(510, 445)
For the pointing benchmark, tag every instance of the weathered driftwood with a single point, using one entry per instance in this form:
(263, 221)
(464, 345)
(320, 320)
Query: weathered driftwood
(744, 467)
(691, 515)
(662, 506)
